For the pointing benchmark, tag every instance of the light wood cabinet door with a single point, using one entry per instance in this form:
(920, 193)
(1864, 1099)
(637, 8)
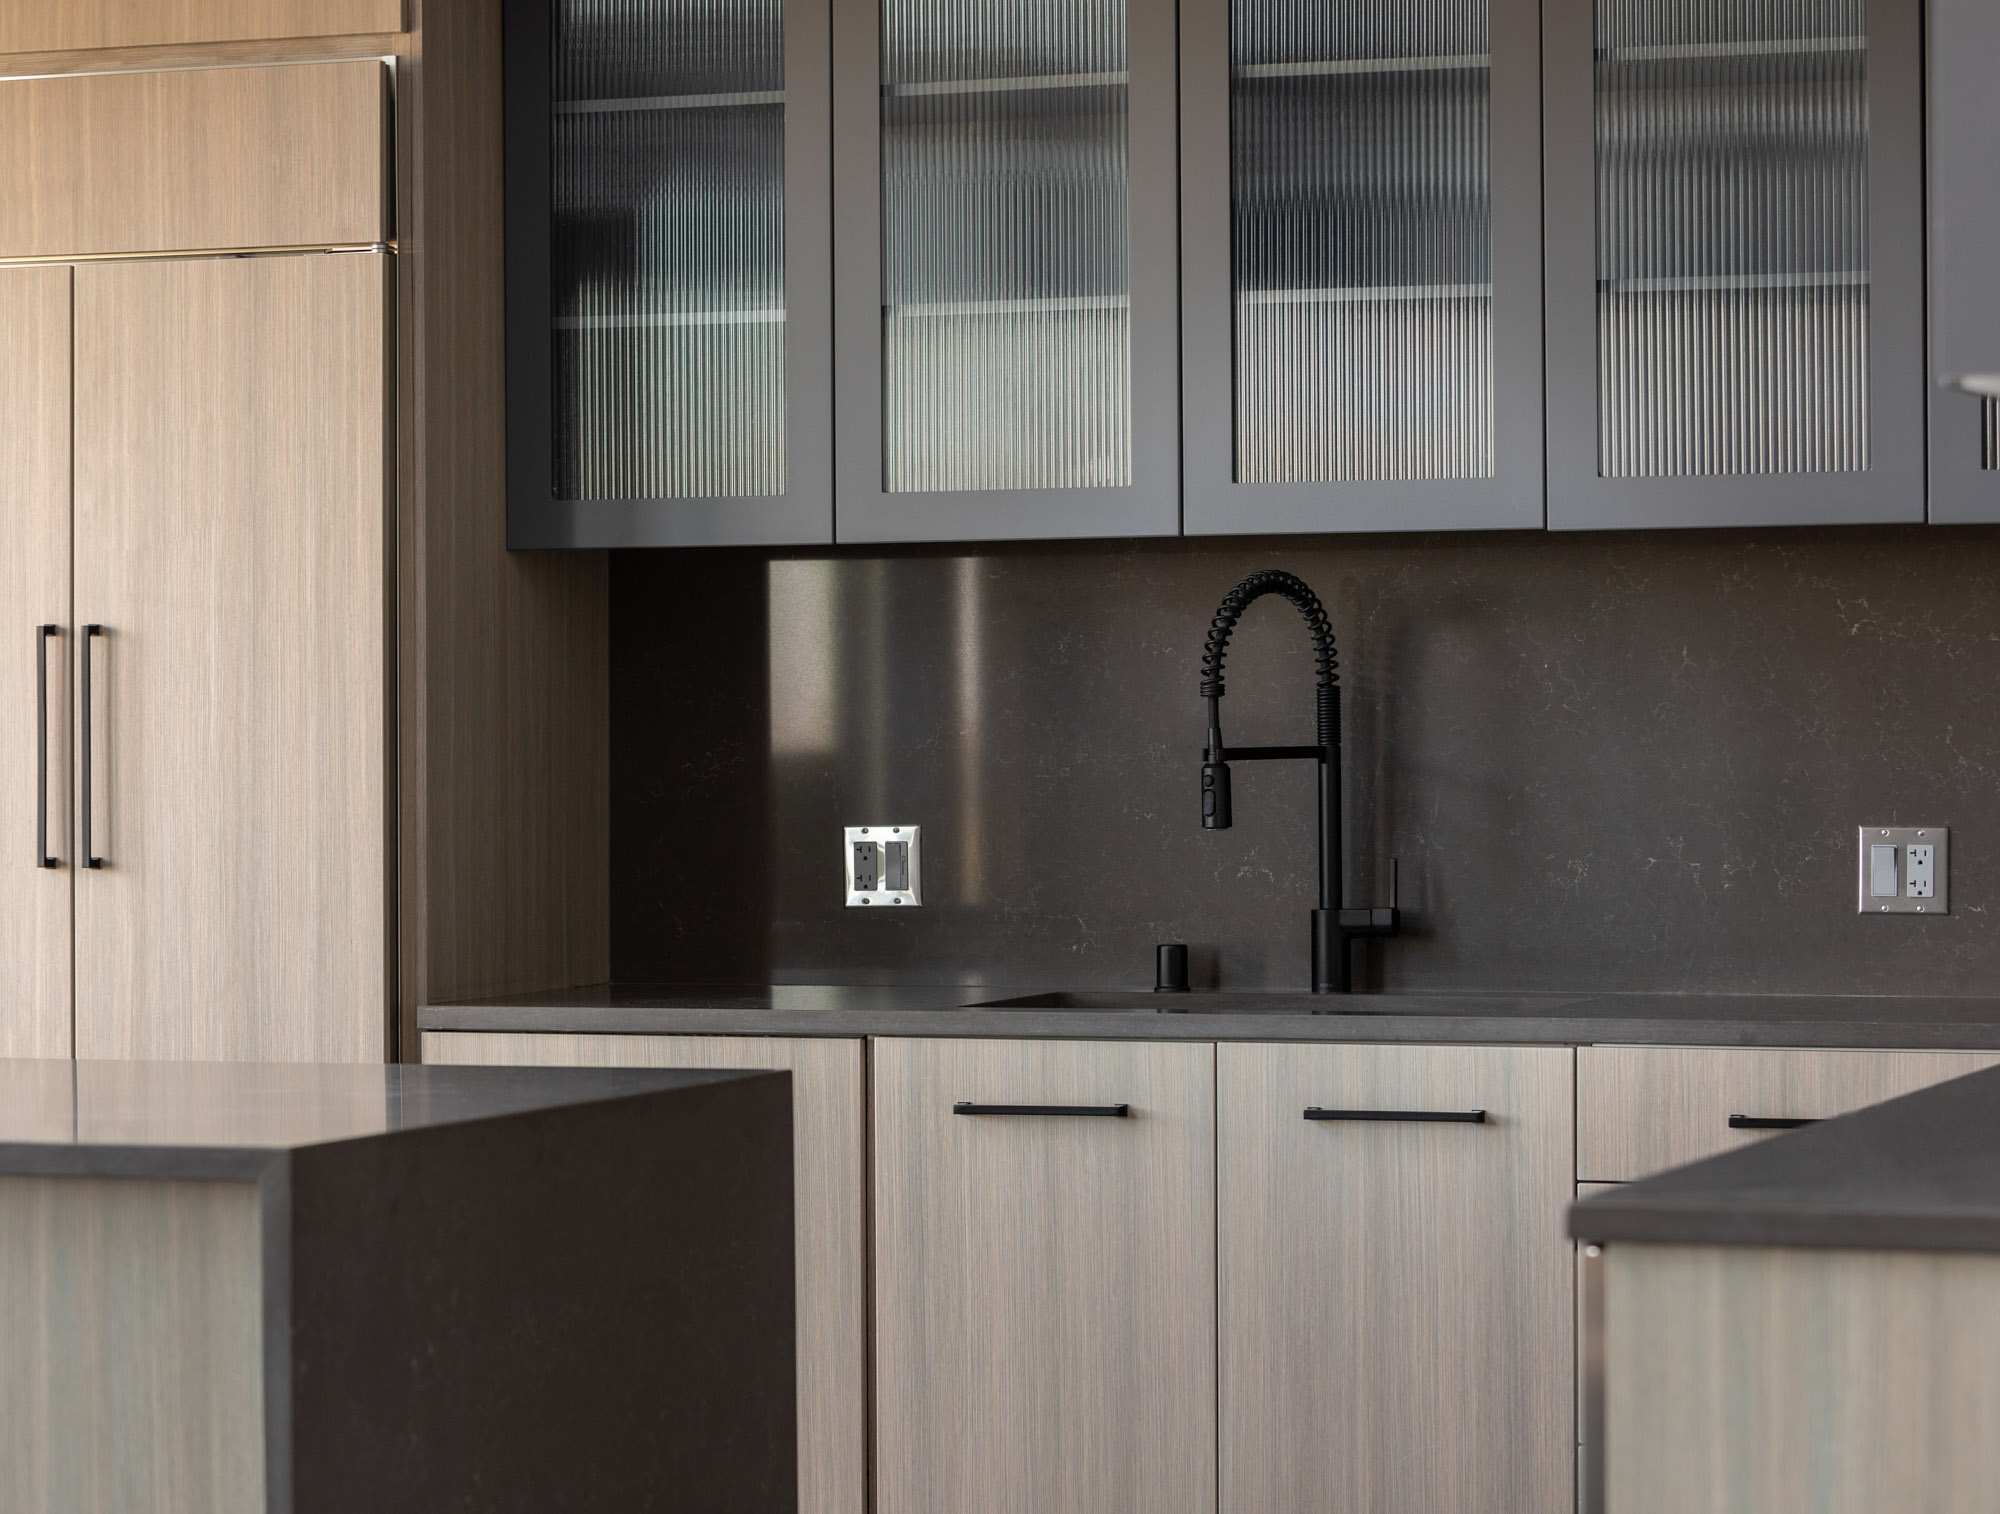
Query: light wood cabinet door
(1643, 1109)
(830, 1174)
(1396, 1297)
(1044, 1283)
(51, 26)
(233, 489)
(34, 587)
(195, 160)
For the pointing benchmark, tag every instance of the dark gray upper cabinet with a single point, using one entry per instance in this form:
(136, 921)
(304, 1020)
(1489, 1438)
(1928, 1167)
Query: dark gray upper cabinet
(1735, 262)
(1362, 295)
(668, 292)
(1005, 269)
(1965, 255)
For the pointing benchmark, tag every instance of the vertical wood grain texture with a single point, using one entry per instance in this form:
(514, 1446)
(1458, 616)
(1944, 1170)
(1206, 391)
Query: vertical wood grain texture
(131, 1325)
(1044, 1287)
(1751, 1380)
(1396, 1299)
(34, 587)
(67, 25)
(232, 508)
(1643, 1109)
(830, 1177)
(504, 659)
(194, 159)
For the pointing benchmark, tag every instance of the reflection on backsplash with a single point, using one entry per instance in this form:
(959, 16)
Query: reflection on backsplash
(1607, 762)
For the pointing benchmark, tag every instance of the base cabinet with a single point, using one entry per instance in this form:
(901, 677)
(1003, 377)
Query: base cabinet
(1044, 1281)
(1395, 1293)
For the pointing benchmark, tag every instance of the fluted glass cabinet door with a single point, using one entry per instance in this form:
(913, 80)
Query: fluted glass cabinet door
(1735, 247)
(669, 304)
(1361, 194)
(1006, 269)
(1965, 255)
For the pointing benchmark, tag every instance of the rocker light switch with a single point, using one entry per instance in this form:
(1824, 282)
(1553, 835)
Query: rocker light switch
(1904, 870)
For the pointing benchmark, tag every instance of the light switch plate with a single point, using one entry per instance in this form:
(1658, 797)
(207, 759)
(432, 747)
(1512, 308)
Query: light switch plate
(884, 865)
(1905, 870)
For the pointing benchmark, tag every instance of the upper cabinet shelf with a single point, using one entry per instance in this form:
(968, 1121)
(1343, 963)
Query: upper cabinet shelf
(1087, 268)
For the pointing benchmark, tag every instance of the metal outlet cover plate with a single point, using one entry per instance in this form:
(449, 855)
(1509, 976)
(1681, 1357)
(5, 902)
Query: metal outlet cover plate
(1921, 879)
(885, 836)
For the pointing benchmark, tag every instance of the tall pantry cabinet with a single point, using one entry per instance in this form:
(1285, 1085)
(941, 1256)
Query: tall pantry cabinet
(197, 427)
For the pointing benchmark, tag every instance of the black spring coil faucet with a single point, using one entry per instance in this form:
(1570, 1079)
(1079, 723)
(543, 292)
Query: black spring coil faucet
(1333, 927)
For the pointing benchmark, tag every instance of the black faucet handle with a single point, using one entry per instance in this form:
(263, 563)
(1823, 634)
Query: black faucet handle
(1215, 810)
(1393, 869)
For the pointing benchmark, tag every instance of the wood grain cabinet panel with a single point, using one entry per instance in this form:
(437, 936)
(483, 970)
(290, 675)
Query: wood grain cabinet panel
(1395, 1296)
(195, 160)
(1643, 1109)
(34, 587)
(831, 1180)
(233, 494)
(51, 26)
(1045, 1285)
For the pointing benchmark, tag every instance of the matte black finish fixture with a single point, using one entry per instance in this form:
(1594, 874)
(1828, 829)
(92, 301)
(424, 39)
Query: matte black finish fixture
(1405, 1116)
(1765, 1122)
(1107, 1111)
(85, 851)
(1333, 927)
(1170, 969)
(42, 635)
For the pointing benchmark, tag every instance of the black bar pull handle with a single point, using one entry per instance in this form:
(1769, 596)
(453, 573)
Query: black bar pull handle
(1766, 1122)
(1111, 1111)
(84, 850)
(42, 635)
(1409, 1116)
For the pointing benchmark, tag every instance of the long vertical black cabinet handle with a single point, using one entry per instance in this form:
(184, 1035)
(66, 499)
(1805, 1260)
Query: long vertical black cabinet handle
(42, 635)
(84, 850)
(1411, 1116)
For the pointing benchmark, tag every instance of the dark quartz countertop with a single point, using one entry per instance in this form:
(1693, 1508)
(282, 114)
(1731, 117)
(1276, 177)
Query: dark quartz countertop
(1917, 1173)
(221, 1120)
(1038, 1010)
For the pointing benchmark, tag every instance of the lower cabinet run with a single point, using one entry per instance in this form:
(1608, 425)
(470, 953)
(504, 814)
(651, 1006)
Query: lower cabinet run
(1044, 1277)
(1395, 1292)
(830, 1183)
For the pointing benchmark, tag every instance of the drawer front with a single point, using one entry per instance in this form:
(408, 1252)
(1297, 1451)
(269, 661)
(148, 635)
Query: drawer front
(196, 160)
(57, 26)
(1643, 1109)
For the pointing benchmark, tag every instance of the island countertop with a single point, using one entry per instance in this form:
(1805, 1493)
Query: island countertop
(1029, 1011)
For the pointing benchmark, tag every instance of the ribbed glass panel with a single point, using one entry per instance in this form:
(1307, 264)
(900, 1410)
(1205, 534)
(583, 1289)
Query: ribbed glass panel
(1006, 319)
(1732, 237)
(1989, 438)
(1363, 240)
(668, 250)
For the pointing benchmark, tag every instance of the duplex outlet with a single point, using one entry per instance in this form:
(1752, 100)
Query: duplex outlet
(1904, 870)
(884, 865)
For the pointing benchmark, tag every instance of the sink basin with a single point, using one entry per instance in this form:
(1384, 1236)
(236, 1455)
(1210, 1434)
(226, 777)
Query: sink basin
(1112, 1001)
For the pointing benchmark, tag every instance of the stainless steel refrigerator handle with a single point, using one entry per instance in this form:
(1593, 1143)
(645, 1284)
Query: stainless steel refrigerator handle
(42, 635)
(84, 849)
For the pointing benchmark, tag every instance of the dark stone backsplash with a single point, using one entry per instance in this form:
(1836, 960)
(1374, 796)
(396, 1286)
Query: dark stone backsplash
(1607, 762)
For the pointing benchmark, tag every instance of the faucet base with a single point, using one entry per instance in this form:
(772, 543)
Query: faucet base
(1333, 930)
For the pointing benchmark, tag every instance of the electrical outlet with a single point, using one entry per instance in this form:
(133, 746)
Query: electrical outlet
(1904, 870)
(884, 865)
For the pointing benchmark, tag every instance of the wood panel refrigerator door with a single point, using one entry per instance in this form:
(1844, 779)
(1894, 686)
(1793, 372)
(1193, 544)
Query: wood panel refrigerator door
(1396, 1296)
(1045, 1284)
(34, 587)
(232, 513)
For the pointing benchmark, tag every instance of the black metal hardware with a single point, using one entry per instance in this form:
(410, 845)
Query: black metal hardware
(1334, 928)
(1112, 1111)
(1170, 969)
(1408, 1116)
(42, 635)
(1765, 1122)
(84, 850)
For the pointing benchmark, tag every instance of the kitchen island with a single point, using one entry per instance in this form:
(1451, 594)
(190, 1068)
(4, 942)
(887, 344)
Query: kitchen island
(300, 1288)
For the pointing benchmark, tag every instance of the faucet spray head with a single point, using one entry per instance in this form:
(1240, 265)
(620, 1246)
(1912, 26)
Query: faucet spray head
(1215, 814)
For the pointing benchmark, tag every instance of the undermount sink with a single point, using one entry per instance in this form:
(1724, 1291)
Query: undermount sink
(1112, 1001)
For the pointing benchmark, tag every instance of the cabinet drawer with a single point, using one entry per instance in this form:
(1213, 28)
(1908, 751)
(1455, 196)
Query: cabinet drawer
(1643, 1109)
(56, 26)
(195, 160)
